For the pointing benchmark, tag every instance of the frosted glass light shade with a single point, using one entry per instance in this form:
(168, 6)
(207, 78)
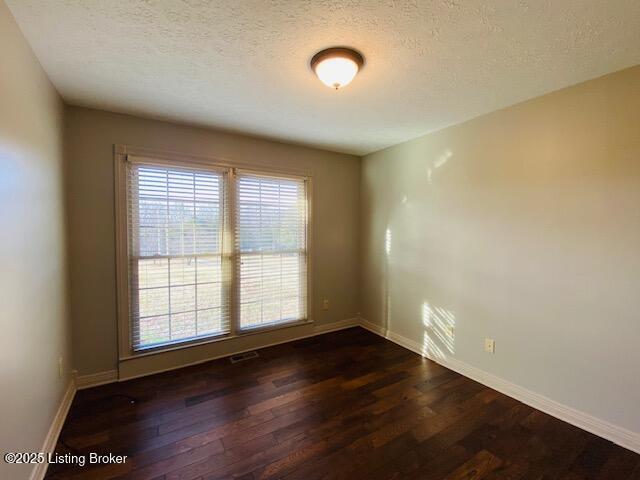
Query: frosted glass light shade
(336, 72)
(336, 67)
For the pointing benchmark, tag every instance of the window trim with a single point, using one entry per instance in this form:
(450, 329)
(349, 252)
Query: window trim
(168, 158)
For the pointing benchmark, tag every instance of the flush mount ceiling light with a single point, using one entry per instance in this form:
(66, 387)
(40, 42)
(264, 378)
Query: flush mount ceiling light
(336, 67)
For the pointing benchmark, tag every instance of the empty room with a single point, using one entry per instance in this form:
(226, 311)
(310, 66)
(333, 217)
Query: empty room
(318, 239)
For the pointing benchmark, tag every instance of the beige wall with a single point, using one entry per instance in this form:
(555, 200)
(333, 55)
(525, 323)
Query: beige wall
(33, 312)
(90, 136)
(523, 226)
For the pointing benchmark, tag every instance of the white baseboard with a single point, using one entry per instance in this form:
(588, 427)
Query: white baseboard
(377, 329)
(335, 326)
(95, 379)
(585, 421)
(40, 469)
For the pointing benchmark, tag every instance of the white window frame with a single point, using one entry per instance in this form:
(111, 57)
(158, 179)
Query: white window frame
(178, 160)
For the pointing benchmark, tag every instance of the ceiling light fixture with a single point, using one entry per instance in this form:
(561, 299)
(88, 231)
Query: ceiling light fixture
(336, 67)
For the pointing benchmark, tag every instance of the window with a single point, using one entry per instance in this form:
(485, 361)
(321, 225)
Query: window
(211, 252)
(271, 250)
(176, 224)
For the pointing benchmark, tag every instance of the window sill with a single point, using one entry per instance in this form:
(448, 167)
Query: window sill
(220, 338)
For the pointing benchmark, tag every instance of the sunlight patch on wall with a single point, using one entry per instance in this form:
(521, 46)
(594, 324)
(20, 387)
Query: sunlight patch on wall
(430, 348)
(439, 330)
(442, 159)
(438, 163)
(387, 242)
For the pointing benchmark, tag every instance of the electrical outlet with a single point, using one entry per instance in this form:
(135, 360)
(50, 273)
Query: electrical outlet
(489, 345)
(60, 368)
(325, 304)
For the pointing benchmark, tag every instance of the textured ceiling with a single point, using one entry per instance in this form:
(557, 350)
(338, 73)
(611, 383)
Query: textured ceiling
(243, 65)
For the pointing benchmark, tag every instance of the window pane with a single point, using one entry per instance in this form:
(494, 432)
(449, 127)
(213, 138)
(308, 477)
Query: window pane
(175, 228)
(209, 321)
(183, 270)
(209, 269)
(271, 239)
(183, 326)
(153, 301)
(209, 295)
(183, 299)
(154, 330)
(153, 273)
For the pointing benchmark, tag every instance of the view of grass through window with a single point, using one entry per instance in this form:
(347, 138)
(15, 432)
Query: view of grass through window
(180, 280)
(176, 240)
(271, 229)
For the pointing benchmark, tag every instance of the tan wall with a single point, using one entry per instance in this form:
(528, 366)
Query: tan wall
(523, 226)
(90, 136)
(33, 308)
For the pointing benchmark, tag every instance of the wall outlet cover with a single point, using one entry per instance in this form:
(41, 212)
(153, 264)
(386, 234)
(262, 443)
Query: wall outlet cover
(489, 345)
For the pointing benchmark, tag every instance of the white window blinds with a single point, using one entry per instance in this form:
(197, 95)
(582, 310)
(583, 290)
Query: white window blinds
(178, 275)
(209, 251)
(271, 250)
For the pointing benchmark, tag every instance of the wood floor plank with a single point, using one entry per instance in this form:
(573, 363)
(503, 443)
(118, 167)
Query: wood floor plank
(480, 465)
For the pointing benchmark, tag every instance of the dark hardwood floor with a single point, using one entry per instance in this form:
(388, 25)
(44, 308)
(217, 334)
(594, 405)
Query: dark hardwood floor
(344, 405)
